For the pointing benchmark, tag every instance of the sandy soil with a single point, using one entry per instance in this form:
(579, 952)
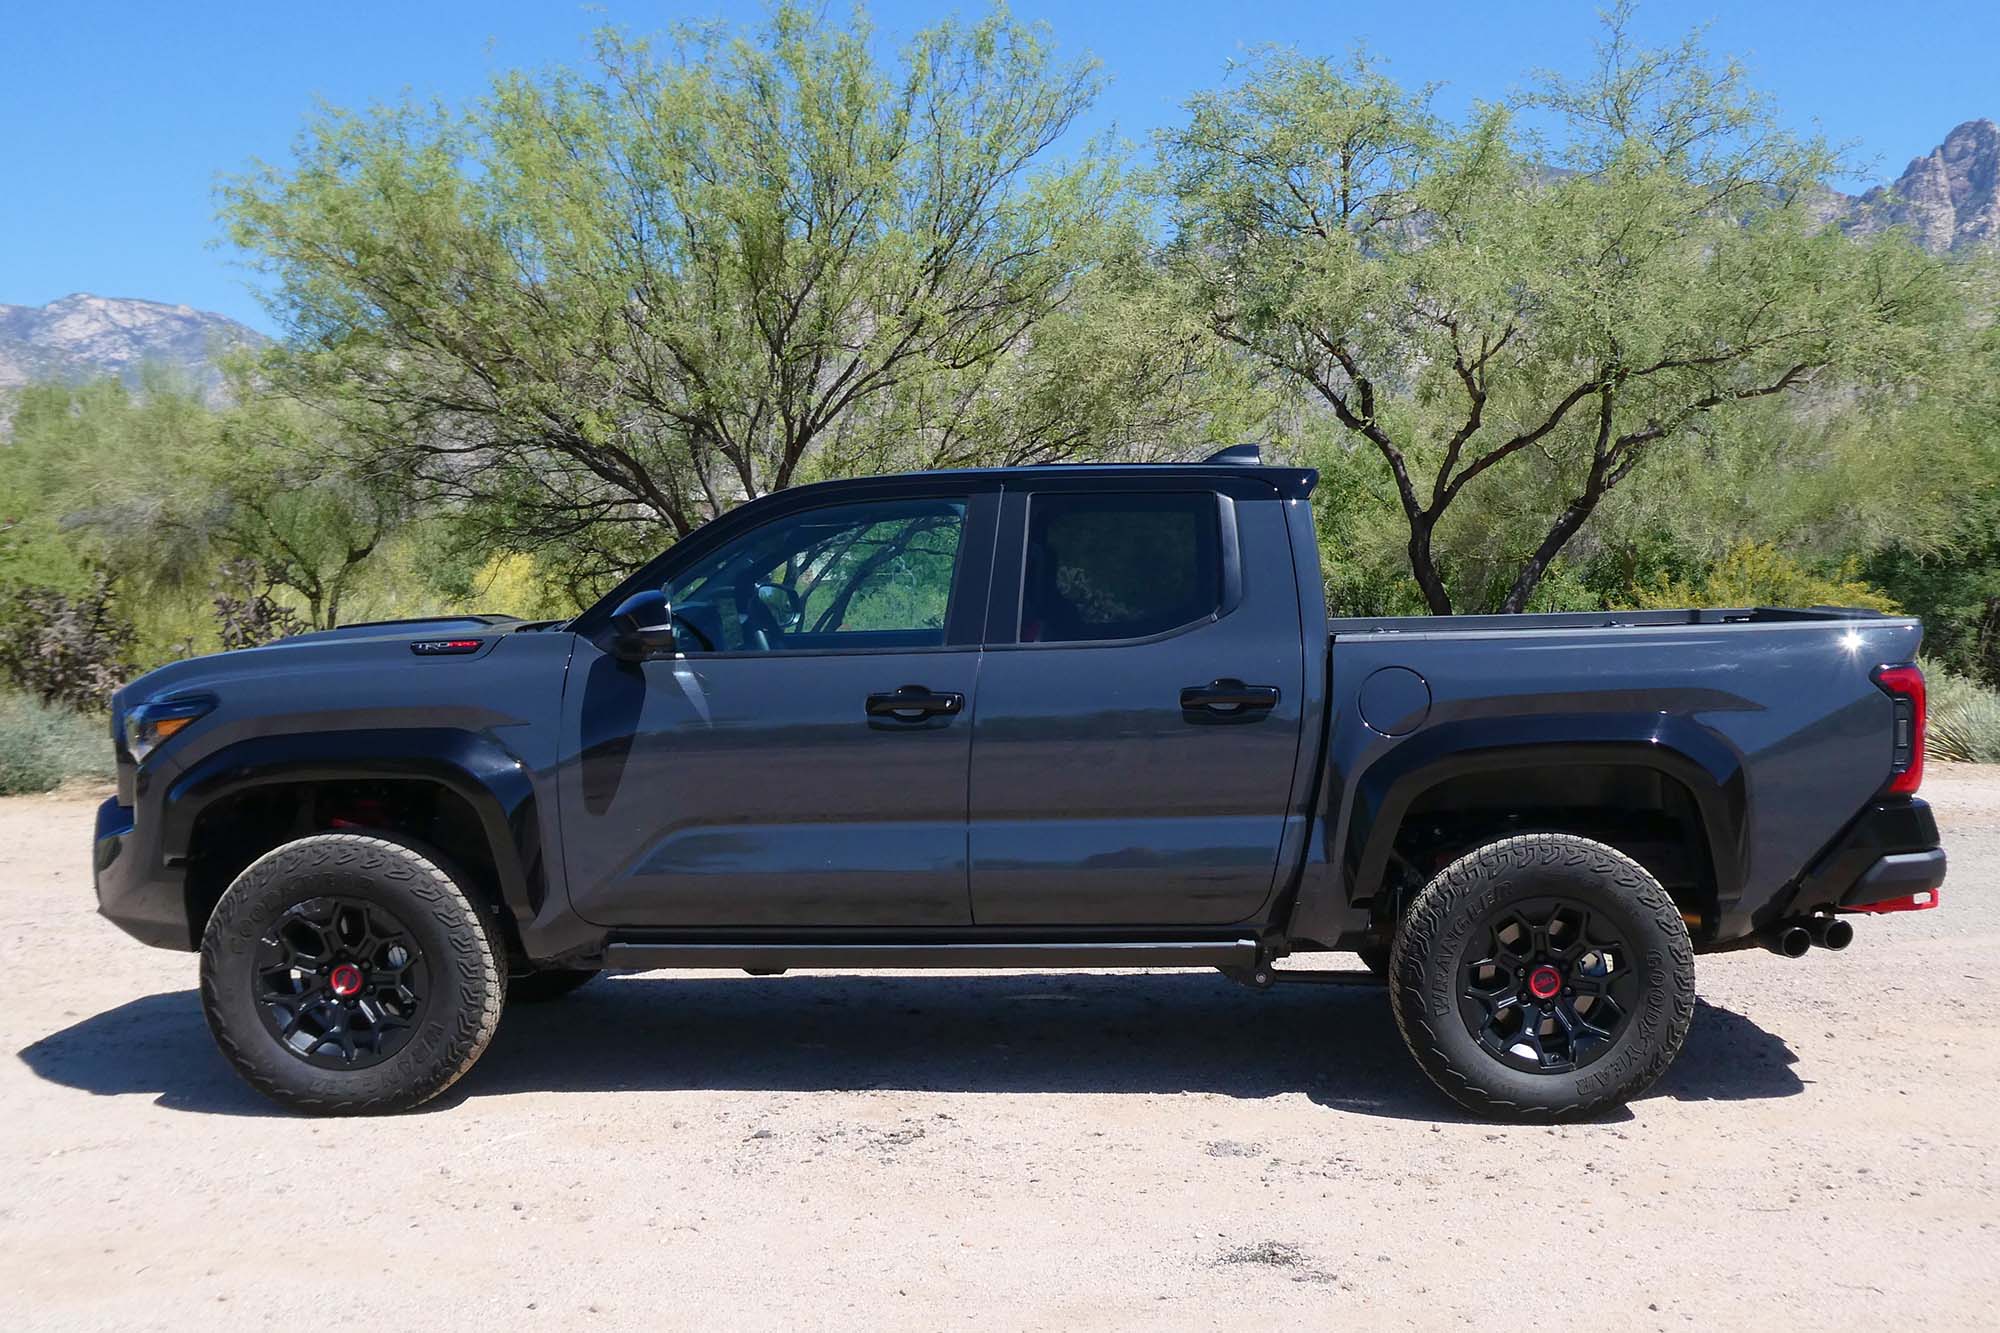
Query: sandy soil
(1017, 1151)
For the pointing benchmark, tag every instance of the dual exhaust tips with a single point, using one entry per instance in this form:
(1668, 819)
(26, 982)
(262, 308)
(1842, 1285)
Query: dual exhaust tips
(1793, 939)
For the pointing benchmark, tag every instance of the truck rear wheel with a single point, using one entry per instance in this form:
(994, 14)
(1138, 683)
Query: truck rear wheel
(1542, 977)
(344, 974)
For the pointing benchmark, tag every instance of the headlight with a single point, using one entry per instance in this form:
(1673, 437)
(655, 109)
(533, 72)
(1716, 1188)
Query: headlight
(146, 725)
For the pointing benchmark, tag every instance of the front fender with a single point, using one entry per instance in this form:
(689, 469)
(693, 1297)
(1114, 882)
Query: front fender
(493, 781)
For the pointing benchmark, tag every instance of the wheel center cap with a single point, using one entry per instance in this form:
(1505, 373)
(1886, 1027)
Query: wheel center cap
(345, 980)
(1544, 982)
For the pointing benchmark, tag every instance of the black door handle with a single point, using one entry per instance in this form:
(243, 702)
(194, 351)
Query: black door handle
(914, 703)
(1228, 698)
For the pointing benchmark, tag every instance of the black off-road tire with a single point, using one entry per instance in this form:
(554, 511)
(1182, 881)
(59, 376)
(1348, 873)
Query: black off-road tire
(1444, 925)
(464, 988)
(548, 984)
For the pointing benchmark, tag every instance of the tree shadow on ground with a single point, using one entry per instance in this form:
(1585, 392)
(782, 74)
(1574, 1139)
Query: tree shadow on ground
(1034, 1033)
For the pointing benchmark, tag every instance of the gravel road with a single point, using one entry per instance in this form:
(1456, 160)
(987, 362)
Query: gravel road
(1020, 1150)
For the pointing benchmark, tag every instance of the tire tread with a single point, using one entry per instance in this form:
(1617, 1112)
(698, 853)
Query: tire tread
(473, 972)
(1446, 896)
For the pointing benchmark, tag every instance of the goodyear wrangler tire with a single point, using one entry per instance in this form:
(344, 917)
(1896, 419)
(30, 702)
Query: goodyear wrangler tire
(1543, 977)
(344, 974)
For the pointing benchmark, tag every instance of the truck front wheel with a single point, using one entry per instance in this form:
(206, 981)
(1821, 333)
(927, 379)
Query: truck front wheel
(346, 974)
(1542, 977)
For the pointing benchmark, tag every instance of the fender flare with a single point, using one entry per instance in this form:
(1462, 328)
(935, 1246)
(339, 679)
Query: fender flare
(472, 765)
(1700, 760)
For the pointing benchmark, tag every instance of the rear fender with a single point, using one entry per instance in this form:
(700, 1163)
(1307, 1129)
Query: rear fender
(1366, 811)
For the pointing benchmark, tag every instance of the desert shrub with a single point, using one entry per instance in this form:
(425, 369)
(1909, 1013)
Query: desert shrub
(43, 746)
(1758, 574)
(1964, 719)
(63, 649)
(246, 612)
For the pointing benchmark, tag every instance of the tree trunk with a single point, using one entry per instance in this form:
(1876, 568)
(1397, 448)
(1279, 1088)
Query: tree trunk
(1558, 536)
(1436, 595)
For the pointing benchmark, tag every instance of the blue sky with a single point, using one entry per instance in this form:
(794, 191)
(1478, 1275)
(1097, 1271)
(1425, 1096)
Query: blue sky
(115, 119)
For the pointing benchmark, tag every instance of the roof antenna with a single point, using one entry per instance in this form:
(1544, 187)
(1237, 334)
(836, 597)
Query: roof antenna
(1243, 455)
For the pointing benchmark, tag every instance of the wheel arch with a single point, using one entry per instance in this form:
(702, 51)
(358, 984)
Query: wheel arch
(1541, 752)
(481, 799)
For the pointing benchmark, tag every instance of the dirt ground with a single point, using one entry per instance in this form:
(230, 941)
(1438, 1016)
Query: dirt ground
(1064, 1150)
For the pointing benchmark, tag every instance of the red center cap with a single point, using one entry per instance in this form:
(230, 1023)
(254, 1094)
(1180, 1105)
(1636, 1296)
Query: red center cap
(345, 980)
(1544, 982)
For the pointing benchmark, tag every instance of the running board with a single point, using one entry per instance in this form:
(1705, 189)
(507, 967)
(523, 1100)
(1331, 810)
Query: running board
(643, 955)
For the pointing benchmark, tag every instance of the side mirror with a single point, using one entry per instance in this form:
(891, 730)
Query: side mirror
(643, 626)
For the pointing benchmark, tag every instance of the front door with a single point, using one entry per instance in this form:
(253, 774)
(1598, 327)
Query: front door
(1139, 710)
(802, 760)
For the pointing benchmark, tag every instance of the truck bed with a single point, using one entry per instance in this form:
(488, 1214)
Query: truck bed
(1435, 626)
(1764, 726)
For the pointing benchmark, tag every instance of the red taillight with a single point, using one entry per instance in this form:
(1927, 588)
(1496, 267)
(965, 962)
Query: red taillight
(1905, 687)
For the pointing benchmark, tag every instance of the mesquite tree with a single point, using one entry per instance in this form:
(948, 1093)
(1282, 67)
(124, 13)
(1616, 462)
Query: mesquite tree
(1457, 294)
(598, 307)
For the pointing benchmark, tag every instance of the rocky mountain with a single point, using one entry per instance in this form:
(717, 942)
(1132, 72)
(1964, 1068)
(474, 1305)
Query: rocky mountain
(1949, 198)
(82, 336)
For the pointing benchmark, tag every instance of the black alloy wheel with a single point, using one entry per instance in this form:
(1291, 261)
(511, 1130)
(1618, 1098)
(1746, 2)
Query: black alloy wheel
(1541, 977)
(1552, 988)
(341, 983)
(350, 973)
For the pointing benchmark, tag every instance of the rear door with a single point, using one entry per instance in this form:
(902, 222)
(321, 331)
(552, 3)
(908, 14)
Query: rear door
(1139, 707)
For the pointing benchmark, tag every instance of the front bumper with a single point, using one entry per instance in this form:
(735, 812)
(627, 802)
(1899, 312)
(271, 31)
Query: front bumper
(1889, 854)
(136, 890)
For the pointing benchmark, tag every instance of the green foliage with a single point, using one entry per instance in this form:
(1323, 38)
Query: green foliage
(164, 489)
(1958, 598)
(43, 746)
(1513, 331)
(1953, 580)
(598, 307)
(535, 338)
(1760, 575)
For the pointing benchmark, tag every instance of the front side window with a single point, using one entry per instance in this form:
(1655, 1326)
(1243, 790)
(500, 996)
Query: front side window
(1119, 566)
(877, 574)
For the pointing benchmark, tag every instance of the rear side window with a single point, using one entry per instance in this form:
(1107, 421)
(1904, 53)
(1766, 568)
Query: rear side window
(1119, 566)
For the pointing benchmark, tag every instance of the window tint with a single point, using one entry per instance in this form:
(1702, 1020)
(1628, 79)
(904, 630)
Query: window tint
(862, 575)
(1118, 566)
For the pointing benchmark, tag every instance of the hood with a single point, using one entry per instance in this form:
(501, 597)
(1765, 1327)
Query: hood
(319, 648)
(421, 627)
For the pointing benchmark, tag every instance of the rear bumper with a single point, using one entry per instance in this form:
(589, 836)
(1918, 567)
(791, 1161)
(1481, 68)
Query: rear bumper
(1894, 881)
(1889, 854)
(136, 890)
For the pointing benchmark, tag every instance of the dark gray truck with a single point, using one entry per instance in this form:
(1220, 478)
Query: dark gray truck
(1083, 716)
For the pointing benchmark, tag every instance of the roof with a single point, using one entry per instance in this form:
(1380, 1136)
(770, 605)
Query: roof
(1238, 463)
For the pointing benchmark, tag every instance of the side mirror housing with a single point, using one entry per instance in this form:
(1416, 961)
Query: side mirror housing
(643, 626)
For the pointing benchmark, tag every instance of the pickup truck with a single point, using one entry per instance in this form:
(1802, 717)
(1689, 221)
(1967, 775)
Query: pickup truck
(1050, 717)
